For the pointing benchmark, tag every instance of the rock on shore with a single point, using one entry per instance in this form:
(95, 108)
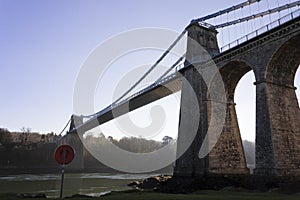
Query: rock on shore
(150, 183)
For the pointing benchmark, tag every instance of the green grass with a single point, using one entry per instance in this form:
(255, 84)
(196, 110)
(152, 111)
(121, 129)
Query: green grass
(203, 195)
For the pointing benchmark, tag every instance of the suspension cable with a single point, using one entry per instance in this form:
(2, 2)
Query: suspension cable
(235, 30)
(174, 65)
(228, 33)
(251, 23)
(278, 11)
(65, 127)
(152, 67)
(270, 19)
(260, 19)
(268, 12)
(243, 26)
(227, 10)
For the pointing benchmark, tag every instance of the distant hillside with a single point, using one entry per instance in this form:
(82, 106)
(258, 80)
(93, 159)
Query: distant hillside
(34, 152)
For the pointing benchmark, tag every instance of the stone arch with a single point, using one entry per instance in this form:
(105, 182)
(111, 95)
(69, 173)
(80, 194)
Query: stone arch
(227, 157)
(278, 114)
(284, 63)
(231, 74)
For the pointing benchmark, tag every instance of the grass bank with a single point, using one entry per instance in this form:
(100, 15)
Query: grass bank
(203, 195)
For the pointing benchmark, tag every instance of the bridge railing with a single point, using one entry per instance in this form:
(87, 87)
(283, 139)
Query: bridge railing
(261, 30)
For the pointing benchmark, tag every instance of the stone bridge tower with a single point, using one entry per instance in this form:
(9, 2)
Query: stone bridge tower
(227, 157)
(273, 57)
(73, 139)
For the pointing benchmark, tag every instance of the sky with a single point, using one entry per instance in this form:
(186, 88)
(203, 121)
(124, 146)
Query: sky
(45, 43)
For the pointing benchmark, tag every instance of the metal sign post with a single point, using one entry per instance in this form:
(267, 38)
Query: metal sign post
(64, 155)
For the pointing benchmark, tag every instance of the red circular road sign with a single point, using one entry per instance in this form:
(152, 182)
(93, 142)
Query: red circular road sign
(64, 154)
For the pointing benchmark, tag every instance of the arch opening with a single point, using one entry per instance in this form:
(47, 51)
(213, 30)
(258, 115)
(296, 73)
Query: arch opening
(297, 85)
(245, 108)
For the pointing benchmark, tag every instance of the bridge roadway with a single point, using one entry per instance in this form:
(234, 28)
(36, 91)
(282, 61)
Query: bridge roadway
(172, 83)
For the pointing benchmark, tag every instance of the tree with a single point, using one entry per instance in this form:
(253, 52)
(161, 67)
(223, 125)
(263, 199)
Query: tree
(25, 132)
(166, 140)
(138, 145)
(5, 138)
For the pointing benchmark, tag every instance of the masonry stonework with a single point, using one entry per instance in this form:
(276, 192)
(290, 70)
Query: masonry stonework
(227, 156)
(273, 57)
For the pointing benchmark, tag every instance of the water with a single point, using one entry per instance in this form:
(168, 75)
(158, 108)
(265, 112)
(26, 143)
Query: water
(92, 184)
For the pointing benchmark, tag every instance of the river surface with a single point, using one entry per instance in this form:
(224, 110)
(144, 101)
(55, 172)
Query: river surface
(93, 184)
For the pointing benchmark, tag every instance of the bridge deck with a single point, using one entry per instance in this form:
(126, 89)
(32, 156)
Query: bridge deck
(161, 90)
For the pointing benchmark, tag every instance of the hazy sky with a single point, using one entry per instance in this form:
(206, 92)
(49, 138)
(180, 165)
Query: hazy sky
(44, 43)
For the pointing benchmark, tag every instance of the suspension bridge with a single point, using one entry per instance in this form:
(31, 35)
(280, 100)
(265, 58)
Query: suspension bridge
(271, 51)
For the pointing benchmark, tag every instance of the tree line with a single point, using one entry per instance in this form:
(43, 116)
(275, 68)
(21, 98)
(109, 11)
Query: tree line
(132, 144)
(32, 150)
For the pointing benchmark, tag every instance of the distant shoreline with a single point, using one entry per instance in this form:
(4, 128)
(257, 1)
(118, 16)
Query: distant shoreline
(19, 171)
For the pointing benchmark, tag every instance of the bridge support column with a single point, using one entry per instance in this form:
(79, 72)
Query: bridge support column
(277, 130)
(73, 139)
(227, 156)
(193, 122)
(193, 117)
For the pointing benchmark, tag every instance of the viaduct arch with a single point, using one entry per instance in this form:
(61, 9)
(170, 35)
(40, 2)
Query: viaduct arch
(274, 59)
